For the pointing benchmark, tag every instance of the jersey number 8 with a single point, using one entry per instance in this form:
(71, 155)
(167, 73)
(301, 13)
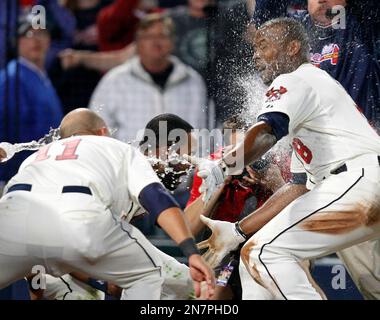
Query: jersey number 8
(303, 151)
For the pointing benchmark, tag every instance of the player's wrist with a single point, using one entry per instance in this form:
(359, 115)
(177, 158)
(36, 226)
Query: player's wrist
(189, 247)
(239, 232)
(229, 169)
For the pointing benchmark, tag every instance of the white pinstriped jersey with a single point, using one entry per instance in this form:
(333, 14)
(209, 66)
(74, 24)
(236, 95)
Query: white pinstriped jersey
(114, 171)
(325, 127)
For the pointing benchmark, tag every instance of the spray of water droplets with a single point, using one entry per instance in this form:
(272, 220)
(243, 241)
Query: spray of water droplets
(12, 149)
(254, 93)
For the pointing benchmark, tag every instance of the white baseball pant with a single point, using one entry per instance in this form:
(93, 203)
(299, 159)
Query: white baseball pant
(341, 211)
(66, 232)
(363, 264)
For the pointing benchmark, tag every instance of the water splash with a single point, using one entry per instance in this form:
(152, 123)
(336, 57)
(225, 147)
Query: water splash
(12, 149)
(253, 102)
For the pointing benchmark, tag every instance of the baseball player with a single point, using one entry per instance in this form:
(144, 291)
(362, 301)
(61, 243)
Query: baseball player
(61, 211)
(340, 205)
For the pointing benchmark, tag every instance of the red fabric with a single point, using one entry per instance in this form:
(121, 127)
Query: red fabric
(26, 3)
(235, 195)
(117, 24)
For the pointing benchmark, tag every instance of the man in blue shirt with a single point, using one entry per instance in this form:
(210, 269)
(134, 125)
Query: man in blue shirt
(347, 52)
(29, 105)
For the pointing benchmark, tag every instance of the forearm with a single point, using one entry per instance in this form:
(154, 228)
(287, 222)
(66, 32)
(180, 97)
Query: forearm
(174, 224)
(197, 208)
(104, 61)
(80, 276)
(192, 213)
(282, 198)
(258, 140)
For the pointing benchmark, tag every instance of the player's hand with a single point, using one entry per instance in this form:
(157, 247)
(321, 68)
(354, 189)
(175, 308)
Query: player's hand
(70, 58)
(224, 238)
(114, 290)
(200, 272)
(7, 151)
(3, 154)
(212, 175)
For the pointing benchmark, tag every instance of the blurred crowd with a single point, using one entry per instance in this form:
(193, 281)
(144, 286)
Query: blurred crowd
(131, 60)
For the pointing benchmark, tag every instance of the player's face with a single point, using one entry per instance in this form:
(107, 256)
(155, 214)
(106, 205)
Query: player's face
(268, 54)
(155, 43)
(34, 44)
(169, 172)
(318, 9)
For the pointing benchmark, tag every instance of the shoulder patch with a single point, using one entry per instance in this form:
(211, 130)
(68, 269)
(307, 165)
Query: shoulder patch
(275, 94)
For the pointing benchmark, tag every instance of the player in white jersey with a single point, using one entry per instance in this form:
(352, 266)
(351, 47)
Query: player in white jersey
(333, 144)
(62, 211)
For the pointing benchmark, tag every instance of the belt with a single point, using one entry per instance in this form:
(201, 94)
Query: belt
(65, 189)
(343, 168)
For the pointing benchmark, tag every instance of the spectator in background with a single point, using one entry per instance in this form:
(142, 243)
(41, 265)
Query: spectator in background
(191, 27)
(213, 41)
(9, 12)
(29, 105)
(75, 86)
(61, 23)
(233, 60)
(62, 28)
(151, 83)
(232, 52)
(117, 23)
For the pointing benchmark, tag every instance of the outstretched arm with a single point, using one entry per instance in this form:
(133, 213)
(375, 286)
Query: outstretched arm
(198, 208)
(162, 206)
(100, 61)
(172, 221)
(227, 236)
(275, 204)
(258, 140)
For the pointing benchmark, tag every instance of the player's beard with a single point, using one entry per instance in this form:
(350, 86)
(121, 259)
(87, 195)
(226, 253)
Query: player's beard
(269, 73)
(272, 70)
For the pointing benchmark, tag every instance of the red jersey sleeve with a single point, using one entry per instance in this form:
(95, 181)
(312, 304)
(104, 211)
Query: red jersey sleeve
(194, 193)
